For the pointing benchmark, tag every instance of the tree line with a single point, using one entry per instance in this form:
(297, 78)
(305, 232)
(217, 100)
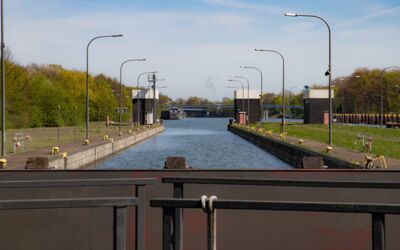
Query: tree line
(35, 92)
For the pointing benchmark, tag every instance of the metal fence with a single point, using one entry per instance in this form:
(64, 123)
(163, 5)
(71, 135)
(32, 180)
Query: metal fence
(119, 204)
(173, 208)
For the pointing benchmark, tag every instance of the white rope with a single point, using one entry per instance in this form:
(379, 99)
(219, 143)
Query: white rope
(207, 205)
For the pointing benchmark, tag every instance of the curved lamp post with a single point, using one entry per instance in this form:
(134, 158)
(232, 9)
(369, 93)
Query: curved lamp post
(328, 72)
(261, 90)
(290, 97)
(283, 84)
(248, 95)
(120, 89)
(382, 75)
(3, 89)
(343, 80)
(233, 80)
(87, 80)
(137, 95)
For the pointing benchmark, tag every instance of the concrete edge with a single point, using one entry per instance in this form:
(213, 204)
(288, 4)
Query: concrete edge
(89, 156)
(290, 153)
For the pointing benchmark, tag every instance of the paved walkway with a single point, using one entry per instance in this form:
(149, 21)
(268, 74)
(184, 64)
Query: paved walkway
(18, 161)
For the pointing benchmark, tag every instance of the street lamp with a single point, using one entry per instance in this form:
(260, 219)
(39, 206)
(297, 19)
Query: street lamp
(328, 72)
(137, 95)
(3, 90)
(261, 90)
(343, 83)
(248, 95)
(283, 84)
(120, 90)
(290, 95)
(233, 80)
(382, 75)
(87, 81)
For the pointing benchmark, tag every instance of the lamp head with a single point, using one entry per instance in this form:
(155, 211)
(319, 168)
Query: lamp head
(258, 49)
(119, 35)
(291, 14)
(243, 66)
(141, 60)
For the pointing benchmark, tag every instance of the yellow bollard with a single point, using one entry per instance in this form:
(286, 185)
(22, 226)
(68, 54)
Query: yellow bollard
(55, 150)
(3, 162)
(86, 142)
(282, 136)
(328, 149)
(301, 141)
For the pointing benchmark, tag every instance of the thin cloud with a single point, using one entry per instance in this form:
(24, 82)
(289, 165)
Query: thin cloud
(375, 14)
(247, 6)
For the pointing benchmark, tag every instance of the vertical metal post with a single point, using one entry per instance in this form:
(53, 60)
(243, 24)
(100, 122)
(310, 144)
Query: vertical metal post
(378, 231)
(248, 96)
(328, 72)
(154, 100)
(283, 94)
(87, 80)
(382, 77)
(283, 85)
(330, 86)
(3, 87)
(167, 230)
(120, 215)
(261, 92)
(343, 99)
(178, 219)
(261, 99)
(75, 129)
(87, 89)
(120, 88)
(137, 96)
(140, 216)
(58, 124)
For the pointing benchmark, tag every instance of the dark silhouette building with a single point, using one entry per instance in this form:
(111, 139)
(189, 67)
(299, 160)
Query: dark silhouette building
(316, 106)
(145, 104)
(251, 99)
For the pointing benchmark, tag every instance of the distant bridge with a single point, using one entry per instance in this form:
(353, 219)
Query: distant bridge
(207, 106)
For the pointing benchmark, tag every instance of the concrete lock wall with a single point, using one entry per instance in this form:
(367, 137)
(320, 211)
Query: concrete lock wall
(287, 152)
(82, 229)
(96, 153)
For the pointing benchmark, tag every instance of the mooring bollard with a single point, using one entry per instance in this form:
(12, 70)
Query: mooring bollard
(176, 163)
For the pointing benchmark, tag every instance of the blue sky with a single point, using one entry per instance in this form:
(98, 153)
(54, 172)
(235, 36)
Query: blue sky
(197, 44)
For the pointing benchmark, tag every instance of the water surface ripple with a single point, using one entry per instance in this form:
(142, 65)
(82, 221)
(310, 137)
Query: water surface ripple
(204, 142)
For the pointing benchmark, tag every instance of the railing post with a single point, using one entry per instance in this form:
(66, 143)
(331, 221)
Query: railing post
(140, 213)
(167, 228)
(378, 231)
(178, 218)
(120, 228)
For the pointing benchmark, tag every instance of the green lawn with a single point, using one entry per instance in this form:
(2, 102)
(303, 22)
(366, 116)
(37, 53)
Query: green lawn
(46, 137)
(385, 141)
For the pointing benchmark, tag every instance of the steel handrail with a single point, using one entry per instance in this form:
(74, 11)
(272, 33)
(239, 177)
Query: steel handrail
(76, 183)
(283, 182)
(377, 212)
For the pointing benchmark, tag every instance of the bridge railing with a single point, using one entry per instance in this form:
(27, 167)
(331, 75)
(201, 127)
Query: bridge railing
(173, 208)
